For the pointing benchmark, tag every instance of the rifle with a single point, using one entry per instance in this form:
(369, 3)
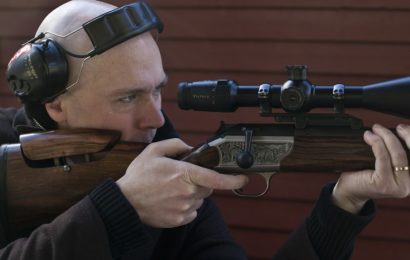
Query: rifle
(298, 141)
(48, 172)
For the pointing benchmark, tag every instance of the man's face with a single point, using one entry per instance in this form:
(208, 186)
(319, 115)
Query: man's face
(121, 90)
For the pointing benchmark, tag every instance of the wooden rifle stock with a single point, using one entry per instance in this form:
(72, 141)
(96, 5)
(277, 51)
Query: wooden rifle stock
(40, 180)
(46, 173)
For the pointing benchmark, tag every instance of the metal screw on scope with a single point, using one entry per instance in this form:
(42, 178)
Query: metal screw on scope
(297, 72)
(66, 168)
(263, 98)
(338, 96)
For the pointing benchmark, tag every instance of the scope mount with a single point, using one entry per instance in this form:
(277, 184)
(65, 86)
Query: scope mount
(302, 120)
(300, 89)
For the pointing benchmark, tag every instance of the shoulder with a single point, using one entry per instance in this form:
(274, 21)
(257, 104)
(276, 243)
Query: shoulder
(10, 120)
(7, 131)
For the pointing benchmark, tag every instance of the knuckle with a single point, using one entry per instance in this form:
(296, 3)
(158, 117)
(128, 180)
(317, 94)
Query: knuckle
(205, 192)
(185, 173)
(199, 203)
(151, 147)
(178, 220)
(184, 207)
(383, 156)
(400, 154)
(187, 193)
(378, 140)
(406, 192)
(403, 193)
(384, 191)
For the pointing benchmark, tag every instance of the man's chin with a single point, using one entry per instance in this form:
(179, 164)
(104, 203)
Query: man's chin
(140, 139)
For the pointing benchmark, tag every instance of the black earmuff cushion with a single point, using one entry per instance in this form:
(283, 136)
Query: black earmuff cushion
(38, 71)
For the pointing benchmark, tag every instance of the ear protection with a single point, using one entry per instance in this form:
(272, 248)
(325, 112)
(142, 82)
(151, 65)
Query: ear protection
(38, 72)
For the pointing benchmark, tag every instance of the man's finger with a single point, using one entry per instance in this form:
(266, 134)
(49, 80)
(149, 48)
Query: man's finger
(169, 148)
(383, 162)
(404, 132)
(397, 153)
(213, 180)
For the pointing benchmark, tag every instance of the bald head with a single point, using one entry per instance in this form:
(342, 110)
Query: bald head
(71, 15)
(68, 18)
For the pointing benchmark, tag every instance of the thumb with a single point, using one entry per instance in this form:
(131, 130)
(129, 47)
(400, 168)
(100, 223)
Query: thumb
(169, 148)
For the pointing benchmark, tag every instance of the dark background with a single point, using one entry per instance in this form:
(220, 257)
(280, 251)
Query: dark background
(350, 42)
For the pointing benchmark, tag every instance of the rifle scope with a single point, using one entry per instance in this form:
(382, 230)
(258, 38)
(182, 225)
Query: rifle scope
(297, 95)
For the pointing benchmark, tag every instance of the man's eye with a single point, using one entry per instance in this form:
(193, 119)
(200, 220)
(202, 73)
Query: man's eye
(157, 92)
(127, 99)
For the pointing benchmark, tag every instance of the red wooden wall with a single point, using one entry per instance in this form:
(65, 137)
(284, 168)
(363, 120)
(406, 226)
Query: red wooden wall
(351, 42)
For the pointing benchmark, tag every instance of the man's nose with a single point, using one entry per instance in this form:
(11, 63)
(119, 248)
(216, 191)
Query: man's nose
(152, 116)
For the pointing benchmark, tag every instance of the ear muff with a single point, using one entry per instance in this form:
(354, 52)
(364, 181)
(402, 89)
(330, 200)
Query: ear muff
(38, 71)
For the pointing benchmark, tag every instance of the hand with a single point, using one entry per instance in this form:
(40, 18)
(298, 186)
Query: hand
(353, 189)
(165, 192)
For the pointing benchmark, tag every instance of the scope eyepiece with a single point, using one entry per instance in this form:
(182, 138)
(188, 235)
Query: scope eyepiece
(208, 95)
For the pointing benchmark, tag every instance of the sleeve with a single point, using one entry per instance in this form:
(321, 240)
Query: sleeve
(101, 226)
(328, 233)
(78, 233)
(125, 230)
(209, 237)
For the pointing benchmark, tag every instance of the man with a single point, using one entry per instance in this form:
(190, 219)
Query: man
(159, 208)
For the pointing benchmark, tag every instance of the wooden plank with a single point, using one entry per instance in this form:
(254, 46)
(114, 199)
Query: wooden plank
(25, 22)
(377, 4)
(262, 24)
(261, 245)
(354, 59)
(11, 4)
(4, 90)
(9, 101)
(381, 250)
(291, 25)
(397, 4)
(286, 215)
(8, 46)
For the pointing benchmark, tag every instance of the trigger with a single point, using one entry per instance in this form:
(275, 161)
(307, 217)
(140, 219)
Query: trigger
(267, 176)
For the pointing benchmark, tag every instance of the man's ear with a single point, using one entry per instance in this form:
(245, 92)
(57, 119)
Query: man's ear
(55, 111)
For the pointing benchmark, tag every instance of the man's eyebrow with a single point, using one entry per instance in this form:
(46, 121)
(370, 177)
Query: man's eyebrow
(163, 83)
(129, 91)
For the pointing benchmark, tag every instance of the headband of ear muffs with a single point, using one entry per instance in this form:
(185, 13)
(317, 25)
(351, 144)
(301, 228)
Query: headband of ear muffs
(38, 72)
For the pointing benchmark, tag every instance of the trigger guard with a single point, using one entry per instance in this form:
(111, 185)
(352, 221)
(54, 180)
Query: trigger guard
(267, 177)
